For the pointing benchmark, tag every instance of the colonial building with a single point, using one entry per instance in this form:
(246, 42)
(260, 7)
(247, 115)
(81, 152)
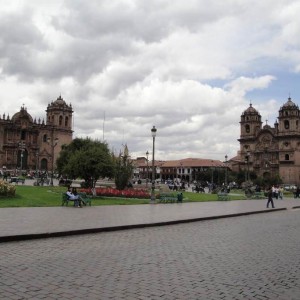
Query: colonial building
(270, 151)
(30, 144)
(187, 169)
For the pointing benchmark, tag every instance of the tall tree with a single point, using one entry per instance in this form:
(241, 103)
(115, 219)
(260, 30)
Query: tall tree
(87, 159)
(123, 169)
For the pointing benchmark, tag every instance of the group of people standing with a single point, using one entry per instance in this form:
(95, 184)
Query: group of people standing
(277, 192)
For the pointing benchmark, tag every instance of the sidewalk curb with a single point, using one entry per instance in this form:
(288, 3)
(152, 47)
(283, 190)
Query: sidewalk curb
(23, 237)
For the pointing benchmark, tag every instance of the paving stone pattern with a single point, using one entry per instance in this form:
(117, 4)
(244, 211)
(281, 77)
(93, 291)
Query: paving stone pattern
(40, 220)
(248, 257)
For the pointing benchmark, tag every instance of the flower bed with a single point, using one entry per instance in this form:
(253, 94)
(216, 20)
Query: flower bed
(7, 189)
(111, 192)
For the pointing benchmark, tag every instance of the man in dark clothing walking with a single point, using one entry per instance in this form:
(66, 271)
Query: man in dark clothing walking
(270, 198)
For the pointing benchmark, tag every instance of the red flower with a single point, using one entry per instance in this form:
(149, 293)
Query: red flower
(111, 192)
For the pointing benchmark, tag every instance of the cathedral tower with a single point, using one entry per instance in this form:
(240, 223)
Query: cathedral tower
(271, 152)
(59, 114)
(289, 119)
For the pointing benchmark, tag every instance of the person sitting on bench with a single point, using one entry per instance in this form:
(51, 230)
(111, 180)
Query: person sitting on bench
(76, 198)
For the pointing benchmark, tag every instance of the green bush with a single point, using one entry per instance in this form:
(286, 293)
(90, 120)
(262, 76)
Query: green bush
(7, 189)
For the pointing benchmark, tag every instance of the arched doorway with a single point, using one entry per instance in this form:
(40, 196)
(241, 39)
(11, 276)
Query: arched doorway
(44, 164)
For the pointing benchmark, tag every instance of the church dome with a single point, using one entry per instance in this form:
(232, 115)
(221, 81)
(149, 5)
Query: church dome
(290, 104)
(250, 110)
(267, 126)
(22, 114)
(59, 101)
(59, 104)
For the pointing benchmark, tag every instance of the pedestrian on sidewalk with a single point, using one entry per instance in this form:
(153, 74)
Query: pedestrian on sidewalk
(270, 198)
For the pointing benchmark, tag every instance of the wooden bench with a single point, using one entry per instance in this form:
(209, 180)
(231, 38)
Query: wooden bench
(222, 196)
(168, 197)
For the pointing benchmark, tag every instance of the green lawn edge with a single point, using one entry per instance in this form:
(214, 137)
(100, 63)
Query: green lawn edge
(47, 196)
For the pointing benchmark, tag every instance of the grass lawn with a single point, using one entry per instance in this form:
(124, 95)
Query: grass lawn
(203, 197)
(33, 196)
(36, 196)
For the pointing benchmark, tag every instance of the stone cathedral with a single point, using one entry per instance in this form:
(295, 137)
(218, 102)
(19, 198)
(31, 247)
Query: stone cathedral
(270, 151)
(27, 144)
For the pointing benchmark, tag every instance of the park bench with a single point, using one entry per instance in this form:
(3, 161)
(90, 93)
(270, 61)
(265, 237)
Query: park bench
(259, 195)
(168, 197)
(65, 199)
(255, 195)
(87, 199)
(223, 196)
(41, 181)
(17, 180)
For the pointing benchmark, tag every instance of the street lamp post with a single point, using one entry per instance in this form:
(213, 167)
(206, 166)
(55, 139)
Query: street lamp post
(22, 148)
(248, 172)
(212, 175)
(36, 163)
(181, 170)
(247, 175)
(226, 157)
(153, 132)
(147, 155)
(52, 142)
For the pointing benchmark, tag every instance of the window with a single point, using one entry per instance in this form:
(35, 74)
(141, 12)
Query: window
(287, 157)
(34, 139)
(23, 135)
(45, 138)
(286, 124)
(66, 121)
(247, 127)
(60, 120)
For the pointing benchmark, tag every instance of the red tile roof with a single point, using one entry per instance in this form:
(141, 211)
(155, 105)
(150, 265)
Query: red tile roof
(193, 162)
(186, 162)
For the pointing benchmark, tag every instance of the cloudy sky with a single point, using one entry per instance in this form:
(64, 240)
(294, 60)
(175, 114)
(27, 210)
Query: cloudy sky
(188, 67)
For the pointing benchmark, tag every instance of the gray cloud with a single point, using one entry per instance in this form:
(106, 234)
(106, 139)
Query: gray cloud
(145, 63)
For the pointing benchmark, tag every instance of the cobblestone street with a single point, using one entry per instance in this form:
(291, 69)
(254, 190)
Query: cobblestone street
(248, 257)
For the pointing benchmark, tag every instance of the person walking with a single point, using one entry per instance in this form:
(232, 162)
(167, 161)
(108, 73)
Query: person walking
(270, 198)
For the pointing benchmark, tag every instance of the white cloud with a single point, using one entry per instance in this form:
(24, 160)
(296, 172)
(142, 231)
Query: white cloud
(187, 68)
(242, 85)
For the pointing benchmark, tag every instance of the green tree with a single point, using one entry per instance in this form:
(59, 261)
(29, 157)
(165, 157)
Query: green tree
(87, 159)
(123, 169)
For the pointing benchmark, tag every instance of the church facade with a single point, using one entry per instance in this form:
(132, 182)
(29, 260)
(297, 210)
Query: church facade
(30, 144)
(270, 151)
